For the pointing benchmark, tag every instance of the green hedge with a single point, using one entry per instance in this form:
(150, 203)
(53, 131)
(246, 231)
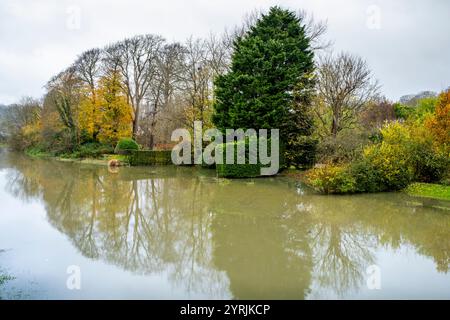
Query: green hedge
(125, 146)
(150, 157)
(243, 170)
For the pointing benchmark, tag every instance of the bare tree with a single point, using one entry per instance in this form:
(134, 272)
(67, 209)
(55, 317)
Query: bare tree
(344, 86)
(198, 80)
(315, 30)
(167, 80)
(88, 67)
(135, 58)
(219, 53)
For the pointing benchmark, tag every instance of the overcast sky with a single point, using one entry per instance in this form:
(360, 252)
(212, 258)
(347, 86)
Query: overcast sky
(405, 42)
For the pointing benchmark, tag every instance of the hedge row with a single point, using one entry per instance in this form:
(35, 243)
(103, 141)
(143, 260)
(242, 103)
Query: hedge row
(243, 170)
(150, 157)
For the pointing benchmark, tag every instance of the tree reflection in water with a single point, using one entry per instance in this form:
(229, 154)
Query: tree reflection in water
(250, 239)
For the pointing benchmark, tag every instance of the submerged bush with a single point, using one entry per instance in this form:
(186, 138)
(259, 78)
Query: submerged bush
(91, 150)
(332, 179)
(406, 153)
(367, 178)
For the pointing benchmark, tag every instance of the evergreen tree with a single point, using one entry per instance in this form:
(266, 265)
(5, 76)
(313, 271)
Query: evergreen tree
(271, 80)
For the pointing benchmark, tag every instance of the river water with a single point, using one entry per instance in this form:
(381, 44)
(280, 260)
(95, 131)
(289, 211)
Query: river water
(76, 231)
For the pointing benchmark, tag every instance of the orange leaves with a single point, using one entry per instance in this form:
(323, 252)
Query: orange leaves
(439, 123)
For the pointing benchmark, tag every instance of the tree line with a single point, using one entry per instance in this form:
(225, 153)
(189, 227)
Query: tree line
(275, 70)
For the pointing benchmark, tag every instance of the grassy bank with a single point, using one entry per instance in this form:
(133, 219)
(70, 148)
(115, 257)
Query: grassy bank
(429, 190)
(86, 155)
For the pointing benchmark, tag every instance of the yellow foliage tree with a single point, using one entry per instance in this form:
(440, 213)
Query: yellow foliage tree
(105, 115)
(113, 113)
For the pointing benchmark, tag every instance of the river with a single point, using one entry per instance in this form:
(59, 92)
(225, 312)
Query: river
(181, 233)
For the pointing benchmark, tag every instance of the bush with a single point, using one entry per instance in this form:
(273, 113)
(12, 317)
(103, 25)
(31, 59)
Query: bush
(346, 147)
(150, 157)
(90, 150)
(405, 154)
(246, 170)
(367, 178)
(332, 179)
(393, 157)
(125, 145)
(301, 152)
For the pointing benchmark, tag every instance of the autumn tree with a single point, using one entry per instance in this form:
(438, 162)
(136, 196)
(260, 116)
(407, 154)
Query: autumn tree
(439, 123)
(88, 68)
(21, 122)
(64, 94)
(114, 114)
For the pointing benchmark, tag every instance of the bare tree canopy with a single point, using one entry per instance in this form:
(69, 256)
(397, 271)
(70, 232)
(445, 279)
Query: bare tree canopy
(88, 66)
(135, 58)
(344, 86)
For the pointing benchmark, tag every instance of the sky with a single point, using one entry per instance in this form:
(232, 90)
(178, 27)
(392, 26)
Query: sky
(405, 42)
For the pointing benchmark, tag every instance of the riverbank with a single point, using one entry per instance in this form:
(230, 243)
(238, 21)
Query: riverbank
(417, 189)
(421, 190)
(102, 160)
(429, 190)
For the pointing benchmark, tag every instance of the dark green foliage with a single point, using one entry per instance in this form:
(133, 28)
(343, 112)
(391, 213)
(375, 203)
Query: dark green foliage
(367, 179)
(270, 82)
(91, 150)
(238, 170)
(402, 111)
(126, 145)
(246, 170)
(150, 157)
(300, 152)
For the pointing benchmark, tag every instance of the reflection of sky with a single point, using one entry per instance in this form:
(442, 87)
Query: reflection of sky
(404, 275)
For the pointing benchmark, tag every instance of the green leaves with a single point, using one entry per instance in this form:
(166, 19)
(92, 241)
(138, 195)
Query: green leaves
(270, 82)
(268, 67)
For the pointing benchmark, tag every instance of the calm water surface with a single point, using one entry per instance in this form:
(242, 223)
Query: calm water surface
(173, 232)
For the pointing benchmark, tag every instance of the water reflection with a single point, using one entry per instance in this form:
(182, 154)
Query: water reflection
(265, 238)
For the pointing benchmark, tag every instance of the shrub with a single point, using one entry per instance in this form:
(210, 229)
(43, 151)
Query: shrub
(367, 178)
(402, 111)
(332, 179)
(392, 158)
(405, 154)
(91, 150)
(301, 152)
(125, 145)
(246, 170)
(346, 147)
(150, 157)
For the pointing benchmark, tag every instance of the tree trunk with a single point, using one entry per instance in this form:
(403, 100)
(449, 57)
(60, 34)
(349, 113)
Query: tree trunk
(136, 121)
(335, 126)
